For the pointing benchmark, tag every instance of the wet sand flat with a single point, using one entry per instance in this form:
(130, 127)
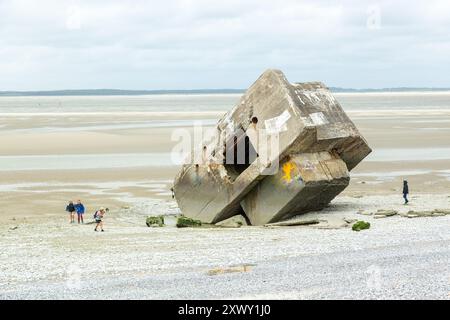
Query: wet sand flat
(115, 147)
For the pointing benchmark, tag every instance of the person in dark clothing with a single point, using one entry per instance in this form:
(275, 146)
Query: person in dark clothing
(405, 191)
(79, 207)
(71, 210)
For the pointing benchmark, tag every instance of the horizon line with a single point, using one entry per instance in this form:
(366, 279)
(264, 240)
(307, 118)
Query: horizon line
(87, 92)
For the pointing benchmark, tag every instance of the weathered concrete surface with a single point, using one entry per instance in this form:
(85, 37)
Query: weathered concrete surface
(233, 222)
(317, 146)
(305, 182)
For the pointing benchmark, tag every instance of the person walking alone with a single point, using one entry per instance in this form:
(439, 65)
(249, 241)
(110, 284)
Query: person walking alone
(98, 216)
(405, 191)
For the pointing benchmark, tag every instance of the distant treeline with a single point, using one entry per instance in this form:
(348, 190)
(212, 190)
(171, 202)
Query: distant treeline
(118, 92)
(401, 89)
(114, 92)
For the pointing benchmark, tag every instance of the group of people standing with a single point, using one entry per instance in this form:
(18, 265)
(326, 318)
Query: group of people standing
(79, 209)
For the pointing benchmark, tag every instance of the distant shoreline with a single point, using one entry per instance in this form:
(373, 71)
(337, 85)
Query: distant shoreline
(119, 92)
(115, 92)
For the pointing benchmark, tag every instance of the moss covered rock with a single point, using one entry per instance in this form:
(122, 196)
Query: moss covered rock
(360, 225)
(155, 221)
(184, 222)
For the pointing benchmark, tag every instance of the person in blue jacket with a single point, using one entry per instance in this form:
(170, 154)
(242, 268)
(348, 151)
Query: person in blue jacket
(79, 207)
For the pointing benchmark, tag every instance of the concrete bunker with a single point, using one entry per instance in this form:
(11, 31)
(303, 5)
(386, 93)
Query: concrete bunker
(283, 150)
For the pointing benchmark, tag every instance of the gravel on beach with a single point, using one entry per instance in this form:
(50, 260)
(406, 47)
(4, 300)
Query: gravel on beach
(397, 258)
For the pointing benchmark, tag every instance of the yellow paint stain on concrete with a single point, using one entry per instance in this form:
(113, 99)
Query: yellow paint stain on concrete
(287, 169)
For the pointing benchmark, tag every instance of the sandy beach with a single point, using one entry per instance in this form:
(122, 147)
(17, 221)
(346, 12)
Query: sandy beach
(121, 160)
(398, 258)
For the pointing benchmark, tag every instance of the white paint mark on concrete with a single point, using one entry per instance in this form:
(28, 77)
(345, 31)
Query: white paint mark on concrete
(312, 97)
(277, 124)
(318, 118)
(298, 93)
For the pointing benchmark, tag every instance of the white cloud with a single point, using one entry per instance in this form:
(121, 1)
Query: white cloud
(204, 44)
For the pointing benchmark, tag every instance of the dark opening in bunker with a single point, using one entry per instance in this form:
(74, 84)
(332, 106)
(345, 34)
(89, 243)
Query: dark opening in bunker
(239, 154)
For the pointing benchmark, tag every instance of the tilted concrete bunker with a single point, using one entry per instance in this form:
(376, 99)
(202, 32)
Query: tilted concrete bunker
(298, 147)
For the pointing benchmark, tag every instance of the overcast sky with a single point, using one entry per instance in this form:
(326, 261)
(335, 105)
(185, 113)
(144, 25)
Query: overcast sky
(191, 44)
